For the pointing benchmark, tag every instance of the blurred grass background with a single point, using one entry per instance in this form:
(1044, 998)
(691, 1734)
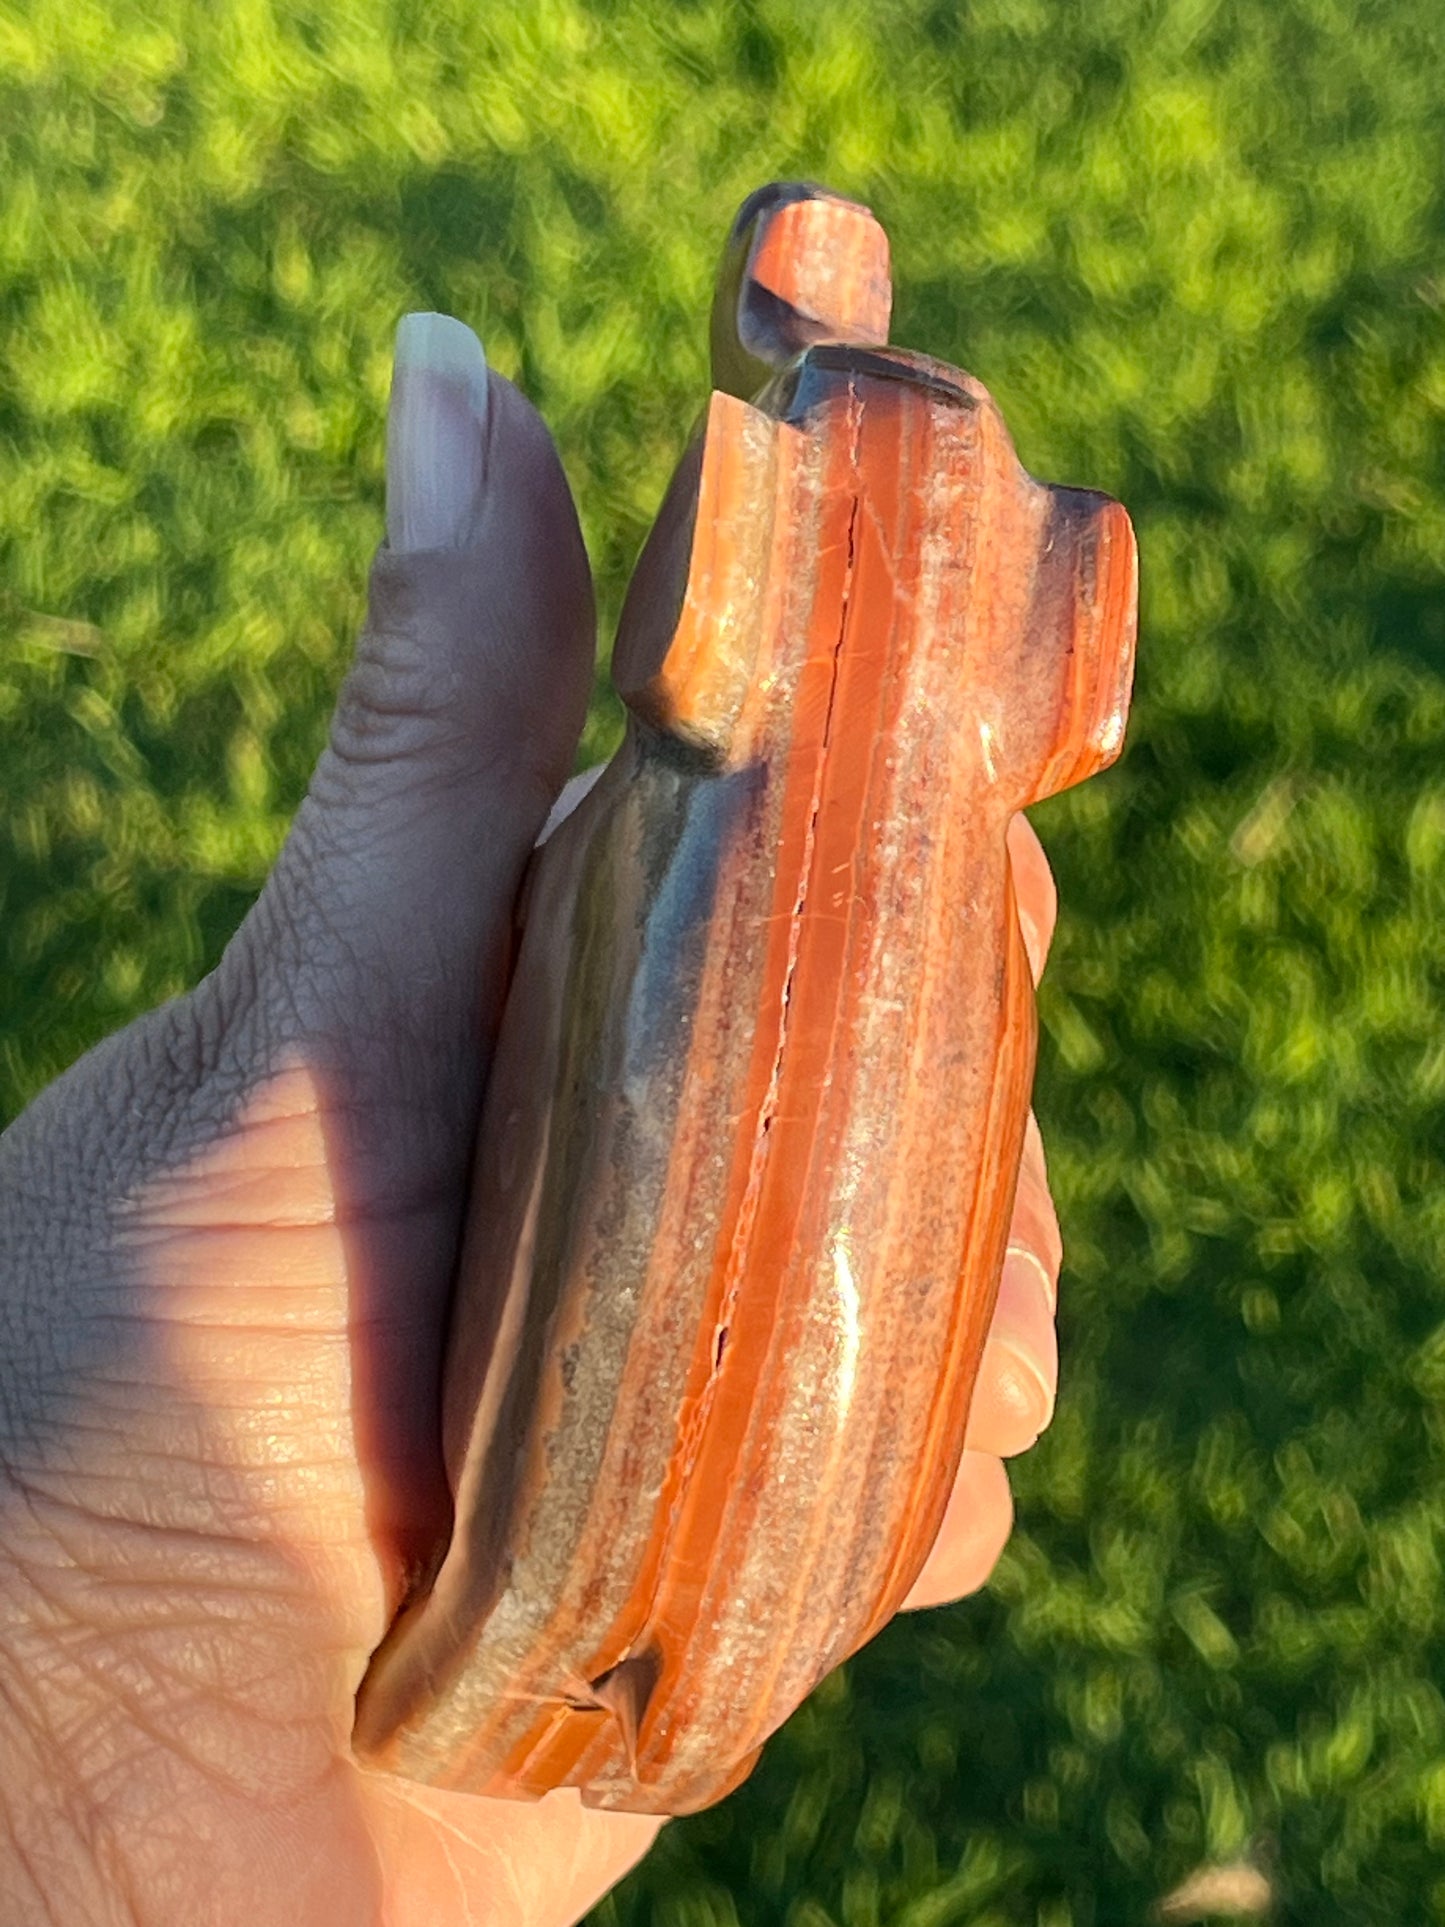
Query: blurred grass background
(1195, 249)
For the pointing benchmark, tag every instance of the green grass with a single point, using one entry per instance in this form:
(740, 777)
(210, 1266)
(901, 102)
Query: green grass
(1195, 249)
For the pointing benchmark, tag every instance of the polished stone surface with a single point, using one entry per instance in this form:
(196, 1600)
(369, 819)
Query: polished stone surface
(751, 1138)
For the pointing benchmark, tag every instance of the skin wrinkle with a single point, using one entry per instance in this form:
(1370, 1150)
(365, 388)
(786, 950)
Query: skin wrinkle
(187, 1823)
(193, 1725)
(71, 1630)
(57, 1891)
(98, 1691)
(392, 1068)
(248, 1608)
(109, 1856)
(19, 1851)
(182, 1444)
(170, 1536)
(81, 1815)
(289, 1470)
(1024, 1254)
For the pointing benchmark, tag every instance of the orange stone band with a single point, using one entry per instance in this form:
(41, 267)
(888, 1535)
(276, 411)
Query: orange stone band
(752, 1134)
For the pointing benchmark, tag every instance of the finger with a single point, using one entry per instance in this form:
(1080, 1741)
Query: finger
(376, 958)
(456, 725)
(1038, 899)
(974, 1532)
(1013, 1399)
(1034, 1228)
(1018, 1373)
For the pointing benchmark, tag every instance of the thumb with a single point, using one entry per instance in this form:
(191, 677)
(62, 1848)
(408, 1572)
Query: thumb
(376, 957)
(390, 907)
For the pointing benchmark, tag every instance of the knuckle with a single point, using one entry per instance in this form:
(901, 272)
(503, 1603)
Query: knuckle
(401, 698)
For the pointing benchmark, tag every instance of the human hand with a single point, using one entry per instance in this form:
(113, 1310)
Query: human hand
(226, 1245)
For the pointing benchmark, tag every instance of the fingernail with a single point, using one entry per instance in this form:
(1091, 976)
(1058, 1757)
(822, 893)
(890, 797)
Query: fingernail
(1034, 1391)
(1022, 1259)
(1025, 1331)
(436, 434)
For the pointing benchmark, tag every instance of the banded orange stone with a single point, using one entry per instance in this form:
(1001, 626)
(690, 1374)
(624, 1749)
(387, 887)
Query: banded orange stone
(751, 1139)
